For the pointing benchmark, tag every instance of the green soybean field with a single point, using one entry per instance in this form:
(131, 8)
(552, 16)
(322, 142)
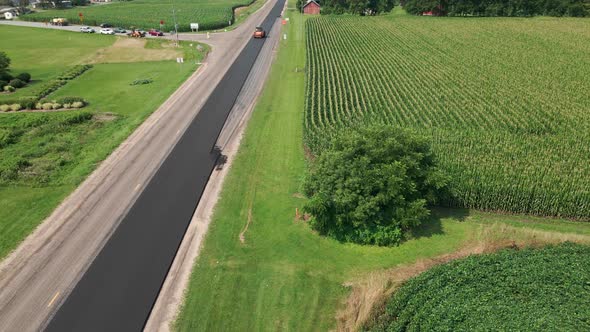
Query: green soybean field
(505, 101)
(147, 14)
(513, 290)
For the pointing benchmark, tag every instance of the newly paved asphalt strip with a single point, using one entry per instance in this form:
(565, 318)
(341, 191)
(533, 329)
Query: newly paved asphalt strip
(120, 287)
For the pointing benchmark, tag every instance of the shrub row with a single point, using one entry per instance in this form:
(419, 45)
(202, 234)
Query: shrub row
(74, 72)
(65, 102)
(140, 82)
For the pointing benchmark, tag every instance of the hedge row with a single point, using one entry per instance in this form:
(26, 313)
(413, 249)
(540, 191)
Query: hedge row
(61, 103)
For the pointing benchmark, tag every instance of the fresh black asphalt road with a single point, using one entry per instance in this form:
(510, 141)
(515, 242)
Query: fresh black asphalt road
(120, 287)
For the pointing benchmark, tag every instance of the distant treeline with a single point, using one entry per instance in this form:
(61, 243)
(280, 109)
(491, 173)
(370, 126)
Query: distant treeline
(574, 8)
(362, 7)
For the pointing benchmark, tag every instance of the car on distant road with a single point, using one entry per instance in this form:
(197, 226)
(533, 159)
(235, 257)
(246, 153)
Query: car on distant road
(87, 30)
(119, 30)
(106, 25)
(259, 33)
(107, 31)
(154, 32)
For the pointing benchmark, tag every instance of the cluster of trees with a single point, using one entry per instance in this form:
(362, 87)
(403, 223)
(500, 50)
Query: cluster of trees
(372, 185)
(360, 7)
(574, 8)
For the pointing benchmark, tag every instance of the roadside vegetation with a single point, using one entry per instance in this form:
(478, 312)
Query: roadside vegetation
(373, 186)
(147, 14)
(45, 155)
(507, 121)
(262, 267)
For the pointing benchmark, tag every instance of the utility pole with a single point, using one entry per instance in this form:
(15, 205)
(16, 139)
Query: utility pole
(175, 24)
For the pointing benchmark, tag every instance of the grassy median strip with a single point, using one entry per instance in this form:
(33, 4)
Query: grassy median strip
(47, 154)
(260, 269)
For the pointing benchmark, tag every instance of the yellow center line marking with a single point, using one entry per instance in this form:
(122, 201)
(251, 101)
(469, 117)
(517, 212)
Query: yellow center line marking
(53, 299)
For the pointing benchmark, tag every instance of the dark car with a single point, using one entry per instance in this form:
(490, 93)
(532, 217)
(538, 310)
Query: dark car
(154, 32)
(106, 25)
(119, 30)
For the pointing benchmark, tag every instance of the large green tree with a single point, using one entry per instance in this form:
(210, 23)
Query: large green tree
(371, 185)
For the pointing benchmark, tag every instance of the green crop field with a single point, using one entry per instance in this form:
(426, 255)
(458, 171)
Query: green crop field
(147, 14)
(528, 290)
(504, 100)
(44, 156)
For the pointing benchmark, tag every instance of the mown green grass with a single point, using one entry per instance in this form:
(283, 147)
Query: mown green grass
(284, 276)
(46, 53)
(148, 14)
(53, 155)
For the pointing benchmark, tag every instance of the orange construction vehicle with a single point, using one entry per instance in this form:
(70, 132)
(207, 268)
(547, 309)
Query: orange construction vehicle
(136, 34)
(259, 33)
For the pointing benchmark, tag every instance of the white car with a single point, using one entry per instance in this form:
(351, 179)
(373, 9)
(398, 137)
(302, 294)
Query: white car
(87, 30)
(107, 31)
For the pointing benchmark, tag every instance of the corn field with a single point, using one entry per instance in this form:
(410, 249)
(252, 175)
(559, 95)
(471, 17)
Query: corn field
(147, 14)
(505, 101)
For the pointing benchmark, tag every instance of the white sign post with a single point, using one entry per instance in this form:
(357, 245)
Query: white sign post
(195, 27)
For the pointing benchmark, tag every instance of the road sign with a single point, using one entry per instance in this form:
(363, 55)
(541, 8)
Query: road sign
(195, 26)
(161, 22)
(80, 14)
(284, 22)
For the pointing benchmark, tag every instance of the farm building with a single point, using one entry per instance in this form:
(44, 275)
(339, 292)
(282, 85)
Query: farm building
(8, 13)
(438, 11)
(311, 8)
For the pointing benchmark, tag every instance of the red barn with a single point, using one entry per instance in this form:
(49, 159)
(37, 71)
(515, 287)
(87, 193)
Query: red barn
(311, 8)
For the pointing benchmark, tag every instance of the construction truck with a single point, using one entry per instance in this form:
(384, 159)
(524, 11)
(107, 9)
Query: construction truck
(136, 34)
(59, 21)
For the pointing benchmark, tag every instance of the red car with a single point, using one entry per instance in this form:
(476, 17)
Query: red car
(154, 32)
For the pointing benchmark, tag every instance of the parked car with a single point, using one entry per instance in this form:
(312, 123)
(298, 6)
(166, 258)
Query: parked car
(87, 30)
(154, 32)
(107, 31)
(259, 33)
(119, 30)
(106, 25)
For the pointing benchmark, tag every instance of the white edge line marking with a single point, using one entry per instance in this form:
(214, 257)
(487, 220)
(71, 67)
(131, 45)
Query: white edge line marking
(53, 299)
